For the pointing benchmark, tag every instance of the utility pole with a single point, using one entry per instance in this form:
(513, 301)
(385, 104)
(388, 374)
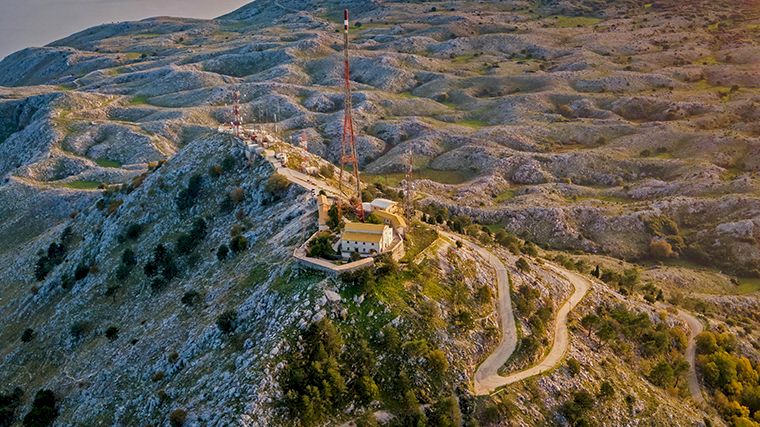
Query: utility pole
(348, 138)
(237, 120)
(409, 187)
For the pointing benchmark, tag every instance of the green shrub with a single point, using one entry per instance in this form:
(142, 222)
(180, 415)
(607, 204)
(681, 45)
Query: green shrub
(112, 333)
(327, 171)
(79, 329)
(28, 335)
(44, 410)
(185, 244)
(529, 248)
(9, 404)
(128, 261)
(523, 265)
(133, 231)
(238, 244)
(222, 252)
(606, 391)
(321, 246)
(186, 197)
(81, 271)
(573, 366)
(237, 195)
(229, 162)
(575, 410)
(277, 185)
(226, 321)
(190, 298)
(161, 269)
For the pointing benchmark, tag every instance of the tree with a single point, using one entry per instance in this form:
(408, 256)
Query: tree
(590, 322)
(438, 362)
(28, 335)
(529, 248)
(9, 404)
(446, 413)
(44, 410)
(321, 246)
(576, 409)
(186, 197)
(573, 366)
(222, 252)
(333, 219)
(660, 249)
(523, 265)
(112, 333)
(226, 321)
(662, 374)
(606, 391)
(276, 185)
(411, 412)
(706, 343)
(373, 219)
(597, 272)
(238, 244)
(366, 389)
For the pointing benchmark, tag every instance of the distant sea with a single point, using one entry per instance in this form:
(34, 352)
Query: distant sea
(26, 23)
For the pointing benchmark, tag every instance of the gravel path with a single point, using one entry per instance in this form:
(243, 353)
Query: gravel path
(695, 328)
(487, 379)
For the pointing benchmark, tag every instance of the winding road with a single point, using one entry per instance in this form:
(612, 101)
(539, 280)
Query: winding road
(487, 378)
(486, 384)
(695, 328)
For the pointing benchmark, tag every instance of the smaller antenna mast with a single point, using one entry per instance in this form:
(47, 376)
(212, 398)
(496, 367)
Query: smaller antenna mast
(409, 186)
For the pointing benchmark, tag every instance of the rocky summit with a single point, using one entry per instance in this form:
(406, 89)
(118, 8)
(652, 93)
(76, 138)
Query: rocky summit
(607, 152)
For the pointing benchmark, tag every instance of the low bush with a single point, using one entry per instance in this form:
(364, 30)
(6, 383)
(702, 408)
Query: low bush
(191, 298)
(28, 335)
(277, 185)
(226, 321)
(222, 252)
(238, 244)
(112, 333)
(177, 418)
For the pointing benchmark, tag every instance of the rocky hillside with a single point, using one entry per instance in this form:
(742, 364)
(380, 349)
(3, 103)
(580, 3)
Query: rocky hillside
(621, 129)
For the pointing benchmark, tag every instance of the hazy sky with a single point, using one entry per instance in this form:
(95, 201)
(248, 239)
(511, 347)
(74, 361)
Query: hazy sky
(25, 23)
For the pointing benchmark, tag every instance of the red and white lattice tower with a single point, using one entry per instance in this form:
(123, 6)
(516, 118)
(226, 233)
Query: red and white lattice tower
(348, 139)
(237, 120)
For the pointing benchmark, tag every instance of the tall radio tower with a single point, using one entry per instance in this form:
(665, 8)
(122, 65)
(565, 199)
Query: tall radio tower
(348, 139)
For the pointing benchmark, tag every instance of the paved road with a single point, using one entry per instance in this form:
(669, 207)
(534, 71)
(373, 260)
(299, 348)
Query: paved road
(695, 328)
(306, 181)
(486, 376)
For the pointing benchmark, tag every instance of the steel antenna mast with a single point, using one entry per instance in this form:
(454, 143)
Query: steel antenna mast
(348, 139)
(238, 120)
